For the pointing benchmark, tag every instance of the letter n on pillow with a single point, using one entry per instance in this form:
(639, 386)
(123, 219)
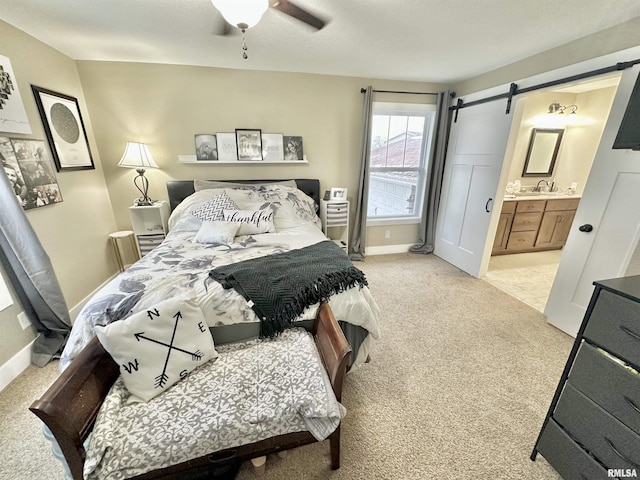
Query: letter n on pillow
(158, 346)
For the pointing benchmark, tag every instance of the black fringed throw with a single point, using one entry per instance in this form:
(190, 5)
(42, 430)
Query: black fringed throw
(282, 285)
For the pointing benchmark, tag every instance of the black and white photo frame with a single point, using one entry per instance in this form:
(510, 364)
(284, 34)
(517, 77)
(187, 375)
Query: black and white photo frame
(249, 144)
(64, 129)
(206, 147)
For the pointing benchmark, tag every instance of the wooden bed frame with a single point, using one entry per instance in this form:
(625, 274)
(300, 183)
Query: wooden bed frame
(70, 406)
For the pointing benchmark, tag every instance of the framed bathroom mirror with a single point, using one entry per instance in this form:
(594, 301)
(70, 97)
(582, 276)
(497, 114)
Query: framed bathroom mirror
(542, 152)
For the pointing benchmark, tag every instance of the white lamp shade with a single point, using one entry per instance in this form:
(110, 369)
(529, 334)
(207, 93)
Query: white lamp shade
(241, 11)
(137, 155)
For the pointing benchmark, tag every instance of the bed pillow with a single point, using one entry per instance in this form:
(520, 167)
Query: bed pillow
(158, 346)
(252, 221)
(199, 185)
(217, 232)
(212, 210)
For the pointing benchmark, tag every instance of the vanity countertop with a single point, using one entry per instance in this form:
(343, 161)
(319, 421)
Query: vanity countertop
(538, 196)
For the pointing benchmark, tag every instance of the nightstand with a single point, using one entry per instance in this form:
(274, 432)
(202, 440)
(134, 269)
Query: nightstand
(149, 225)
(334, 215)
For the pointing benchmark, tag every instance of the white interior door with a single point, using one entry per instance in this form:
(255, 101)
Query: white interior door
(477, 144)
(610, 204)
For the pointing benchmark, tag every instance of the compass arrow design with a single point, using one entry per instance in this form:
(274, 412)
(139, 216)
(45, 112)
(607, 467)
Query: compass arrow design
(161, 380)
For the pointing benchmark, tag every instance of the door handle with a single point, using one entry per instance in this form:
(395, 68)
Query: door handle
(486, 205)
(585, 228)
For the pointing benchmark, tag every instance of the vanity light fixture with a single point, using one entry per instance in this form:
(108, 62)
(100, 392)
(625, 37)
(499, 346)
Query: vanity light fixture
(138, 156)
(555, 107)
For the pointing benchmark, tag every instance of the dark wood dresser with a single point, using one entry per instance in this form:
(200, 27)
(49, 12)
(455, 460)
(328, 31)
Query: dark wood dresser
(592, 428)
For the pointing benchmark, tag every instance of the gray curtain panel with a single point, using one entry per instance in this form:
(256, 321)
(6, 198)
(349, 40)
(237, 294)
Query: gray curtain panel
(435, 171)
(357, 245)
(29, 269)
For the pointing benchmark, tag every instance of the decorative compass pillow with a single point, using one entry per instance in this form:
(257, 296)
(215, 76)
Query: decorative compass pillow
(158, 346)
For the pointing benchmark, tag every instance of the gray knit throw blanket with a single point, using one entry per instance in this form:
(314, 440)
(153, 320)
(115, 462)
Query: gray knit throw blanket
(282, 285)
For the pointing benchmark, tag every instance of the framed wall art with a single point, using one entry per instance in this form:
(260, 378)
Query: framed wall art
(30, 171)
(249, 143)
(272, 147)
(227, 151)
(293, 149)
(13, 117)
(206, 147)
(64, 129)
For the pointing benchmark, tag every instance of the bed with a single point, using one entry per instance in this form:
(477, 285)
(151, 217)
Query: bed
(181, 266)
(72, 408)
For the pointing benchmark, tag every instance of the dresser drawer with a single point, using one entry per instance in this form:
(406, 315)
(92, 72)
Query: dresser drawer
(518, 240)
(566, 456)
(531, 206)
(611, 385)
(615, 325)
(333, 208)
(526, 221)
(613, 444)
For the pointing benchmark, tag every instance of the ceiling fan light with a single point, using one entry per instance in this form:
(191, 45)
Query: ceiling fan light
(236, 12)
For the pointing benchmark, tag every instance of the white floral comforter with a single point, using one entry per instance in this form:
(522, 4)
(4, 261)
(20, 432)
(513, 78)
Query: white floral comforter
(179, 268)
(212, 409)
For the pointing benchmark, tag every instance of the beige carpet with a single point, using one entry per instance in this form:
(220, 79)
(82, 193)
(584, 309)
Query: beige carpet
(458, 387)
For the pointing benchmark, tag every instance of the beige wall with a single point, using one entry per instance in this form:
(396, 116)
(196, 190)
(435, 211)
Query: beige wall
(74, 232)
(611, 40)
(165, 105)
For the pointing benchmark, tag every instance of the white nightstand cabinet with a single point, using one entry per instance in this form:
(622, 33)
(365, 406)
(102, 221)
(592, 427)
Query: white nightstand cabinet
(334, 215)
(149, 225)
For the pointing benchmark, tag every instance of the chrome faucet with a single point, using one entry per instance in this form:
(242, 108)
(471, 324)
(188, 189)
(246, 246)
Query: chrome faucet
(537, 187)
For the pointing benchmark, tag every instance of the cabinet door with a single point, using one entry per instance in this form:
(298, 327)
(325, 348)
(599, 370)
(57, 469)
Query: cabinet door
(502, 233)
(554, 228)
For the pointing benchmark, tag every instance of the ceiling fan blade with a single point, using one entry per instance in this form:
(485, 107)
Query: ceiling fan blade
(291, 9)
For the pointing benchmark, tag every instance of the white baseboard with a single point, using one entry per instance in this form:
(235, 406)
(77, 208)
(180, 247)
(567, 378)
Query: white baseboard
(10, 370)
(387, 249)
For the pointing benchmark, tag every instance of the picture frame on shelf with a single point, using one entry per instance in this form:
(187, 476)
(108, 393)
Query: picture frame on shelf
(227, 149)
(339, 193)
(249, 144)
(206, 147)
(293, 150)
(64, 128)
(272, 147)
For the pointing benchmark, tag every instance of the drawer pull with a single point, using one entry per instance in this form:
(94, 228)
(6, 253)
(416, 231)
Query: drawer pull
(615, 450)
(631, 403)
(630, 332)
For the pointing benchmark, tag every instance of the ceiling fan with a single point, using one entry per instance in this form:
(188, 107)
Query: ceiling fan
(244, 14)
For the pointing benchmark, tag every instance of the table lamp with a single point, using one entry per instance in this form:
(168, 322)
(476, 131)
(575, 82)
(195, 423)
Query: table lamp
(138, 156)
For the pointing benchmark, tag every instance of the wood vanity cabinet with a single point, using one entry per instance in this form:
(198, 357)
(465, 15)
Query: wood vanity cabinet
(556, 222)
(592, 427)
(532, 225)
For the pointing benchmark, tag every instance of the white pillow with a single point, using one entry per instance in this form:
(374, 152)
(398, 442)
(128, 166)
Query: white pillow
(158, 346)
(212, 210)
(251, 221)
(217, 232)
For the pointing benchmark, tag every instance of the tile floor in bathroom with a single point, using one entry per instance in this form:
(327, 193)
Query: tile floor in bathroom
(526, 276)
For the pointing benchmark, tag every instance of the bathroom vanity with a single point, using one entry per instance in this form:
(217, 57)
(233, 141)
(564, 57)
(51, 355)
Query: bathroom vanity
(532, 223)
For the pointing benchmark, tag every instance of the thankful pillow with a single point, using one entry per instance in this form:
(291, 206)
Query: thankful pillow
(251, 221)
(218, 232)
(212, 210)
(158, 346)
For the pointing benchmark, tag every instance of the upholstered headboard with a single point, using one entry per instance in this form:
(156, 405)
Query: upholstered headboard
(178, 190)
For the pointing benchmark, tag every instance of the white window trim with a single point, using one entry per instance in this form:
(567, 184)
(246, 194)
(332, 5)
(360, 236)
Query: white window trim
(388, 108)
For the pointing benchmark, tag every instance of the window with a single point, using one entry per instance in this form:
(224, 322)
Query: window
(399, 152)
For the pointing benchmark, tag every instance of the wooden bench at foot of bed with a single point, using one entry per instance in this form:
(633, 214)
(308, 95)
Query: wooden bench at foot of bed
(70, 406)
